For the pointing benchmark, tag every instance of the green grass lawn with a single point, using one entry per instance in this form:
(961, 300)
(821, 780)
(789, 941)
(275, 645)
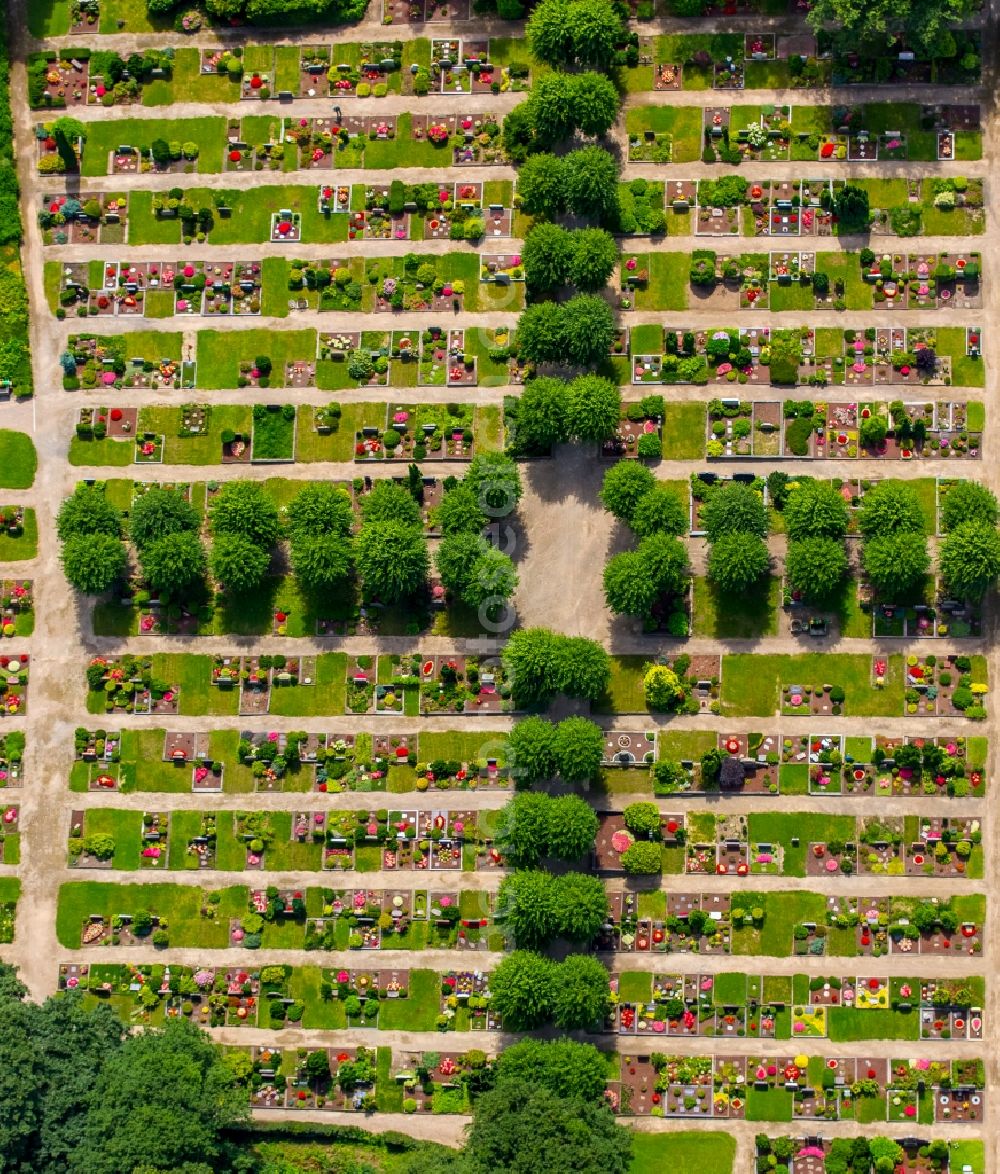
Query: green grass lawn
(220, 353)
(751, 615)
(683, 431)
(965, 372)
(208, 133)
(179, 904)
(667, 288)
(625, 693)
(686, 744)
(751, 683)
(18, 460)
(784, 910)
(683, 122)
(854, 1023)
(971, 1153)
(782, 827)
(188, 84)
(684, 1152)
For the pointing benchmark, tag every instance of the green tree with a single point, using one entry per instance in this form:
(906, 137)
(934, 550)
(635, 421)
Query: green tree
(542, 417)
(968, 501)
(577, 749)
(455, 559)
(525, 908)
(161, 1100)
(244, 508)
(495, 481)
(566, 1068)
(541, 185)
(474, 570)
(629, 589)
(662, 688)
(969, 559)
(582, 997)
(579, 906)
(642, 819)
(521, 988)
(592, 182)
(546, 256)
(734, 508)
(159, 512)
(88, 511)
(322, 563)
(572, 826)
(738, 561)
(388, 502)
(549, 34)
(522, 830)
(529, 660)
(896, 564)
(522, 1129)
(815, 510)
(551, 108)
(67, 132)
(890, 507)
(392, 560)
(594, 406)
(625, 485)
(660, 511)
(530, 751)
(582, 668)
(593, 102)
(321, 509)
(851, 207)
(174, 563)
(666, 562)
(93, 563)
(459, 512)
(642, 859)
(568, 32)
(539, 333)
(815, 568)
(239, 564)
(922, 24)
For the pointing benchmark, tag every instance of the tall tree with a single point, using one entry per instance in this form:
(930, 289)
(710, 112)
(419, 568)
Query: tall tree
(969, 559)
(392, 560)
(738, 562)
(93, 563)
(896, 564)
(174, 563)
(321, 509)
(734, 509)
(239, 564)
(159, 512)
(815, 510)
(875, 25)
(582, 997)
(246, 509)
(890, 507)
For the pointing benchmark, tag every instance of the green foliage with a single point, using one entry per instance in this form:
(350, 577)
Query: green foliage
(174, 563)
(392, 560)
(320, 509)
(734, 508)
(542, 664)
(896, 563)
(815, 567)
(88, 511)
(582, 999)
(563, 1067)
(159, 512)
(625, 485)
(540, 419)
(815, 510)
(923, 24)
(969, 559)
(239, 564)
(244, 508)
(575, 32)
(968, 501)
(531, 751)
(890, 507)
(459, 511)
(93, 563)
(594, 405)
(738, 561)
(642, 859)
(660, 511)
(388, 502)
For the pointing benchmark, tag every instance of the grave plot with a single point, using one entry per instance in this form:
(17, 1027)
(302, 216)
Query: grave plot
(443, 360)
(333, 198)
(286, 228)
(729, 1077)
(399, 284)
(89, 846)
(154, 839)
(639, 431)
(753, 755)
(10, 839)
(66, 83)
(314, 67)
(90, 218)
(960, 1103)
(316, 139)
(685, 1084)
(377, 221)
(623, 748)
(448, 71)
(881, 850)
(831, 858)
(463, 684)
(715, 220)
(943, 847)
(948, 1009)
(815, 216)
(715, 128)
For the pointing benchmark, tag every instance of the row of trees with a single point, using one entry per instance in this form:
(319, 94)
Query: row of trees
(552, 411)
(577, 333)
(538, 749)
(529, 991)
(652, 578)
(568, 33)
(584, 182)
(541, 664)
(553, 257)
(558, 106)
(537, 908)
(533, 827)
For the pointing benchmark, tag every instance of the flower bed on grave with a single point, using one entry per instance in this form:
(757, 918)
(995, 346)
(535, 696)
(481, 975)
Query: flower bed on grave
(421, 432)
